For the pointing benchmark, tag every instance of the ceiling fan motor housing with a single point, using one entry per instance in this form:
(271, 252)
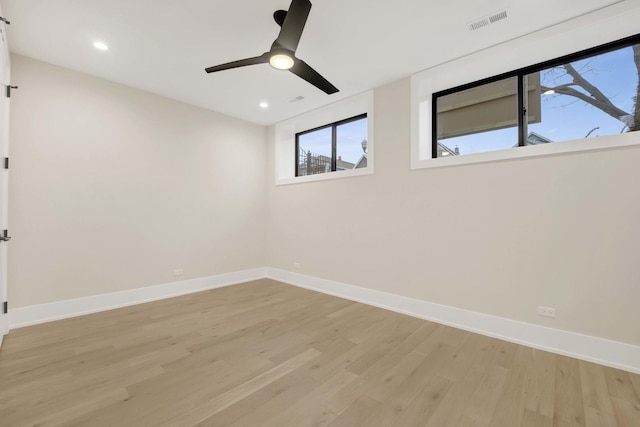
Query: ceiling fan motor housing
(279, 16)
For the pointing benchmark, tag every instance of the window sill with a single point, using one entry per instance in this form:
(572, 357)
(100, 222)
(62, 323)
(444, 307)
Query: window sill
(325, 176)
(602, 143)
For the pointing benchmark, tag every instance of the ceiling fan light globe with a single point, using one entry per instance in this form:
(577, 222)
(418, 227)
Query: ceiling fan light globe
(281, 61)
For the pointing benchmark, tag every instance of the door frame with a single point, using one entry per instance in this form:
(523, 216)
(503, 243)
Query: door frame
(5, 82)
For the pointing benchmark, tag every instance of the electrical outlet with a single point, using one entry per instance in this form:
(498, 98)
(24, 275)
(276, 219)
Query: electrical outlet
(178, 272)
(546, 311)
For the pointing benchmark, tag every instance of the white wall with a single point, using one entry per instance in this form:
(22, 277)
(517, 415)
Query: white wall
(498, 238)
(113, 188)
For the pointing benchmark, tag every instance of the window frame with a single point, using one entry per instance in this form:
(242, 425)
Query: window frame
(520, 74)
(334, 141)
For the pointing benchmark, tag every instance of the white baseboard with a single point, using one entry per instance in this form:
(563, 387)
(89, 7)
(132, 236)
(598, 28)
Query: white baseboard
(593, 349)
(31, 315)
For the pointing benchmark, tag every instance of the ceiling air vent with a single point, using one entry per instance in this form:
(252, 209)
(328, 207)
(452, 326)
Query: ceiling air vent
(488, 20)
(498, 17)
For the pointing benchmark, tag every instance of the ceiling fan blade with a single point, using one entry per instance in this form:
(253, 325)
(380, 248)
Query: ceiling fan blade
(303, 70)
(293, 25)
(262, 59)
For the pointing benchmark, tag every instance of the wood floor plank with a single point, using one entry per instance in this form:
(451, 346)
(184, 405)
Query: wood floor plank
(421, 408)
(472, 369)
(535, 419)
(568, 403)
(620, 385)
(485, 398)
(510, 407)
(356, 413)
(383, 363)
(421, 385)
(273, 399)
(313, 409)
(635, 380)
(540, 383)
(264, 353)
(595, 396)
(597, 418)
(627, 413)
(205, 408)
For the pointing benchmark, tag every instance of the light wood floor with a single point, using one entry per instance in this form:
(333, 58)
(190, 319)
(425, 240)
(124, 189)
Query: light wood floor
(268, 354)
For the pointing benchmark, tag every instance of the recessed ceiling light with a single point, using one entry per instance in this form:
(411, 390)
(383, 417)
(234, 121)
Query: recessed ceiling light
(264, 105)
(101, 46)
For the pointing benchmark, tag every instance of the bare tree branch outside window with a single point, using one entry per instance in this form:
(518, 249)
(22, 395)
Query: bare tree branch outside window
(582, 89)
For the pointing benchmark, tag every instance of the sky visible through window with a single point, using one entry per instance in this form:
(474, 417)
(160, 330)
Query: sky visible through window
(318, 142)
(565, 117)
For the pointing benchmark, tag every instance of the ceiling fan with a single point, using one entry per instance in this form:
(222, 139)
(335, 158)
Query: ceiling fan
(282, 52)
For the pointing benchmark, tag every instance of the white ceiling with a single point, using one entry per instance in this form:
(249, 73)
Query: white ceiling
(163, 46)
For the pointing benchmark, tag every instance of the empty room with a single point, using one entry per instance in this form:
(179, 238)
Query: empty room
(319, 213)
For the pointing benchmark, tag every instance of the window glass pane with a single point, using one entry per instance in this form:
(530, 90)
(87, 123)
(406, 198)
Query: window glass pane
(483, 118)
(314, 152)
(351, 145)
(588, 98)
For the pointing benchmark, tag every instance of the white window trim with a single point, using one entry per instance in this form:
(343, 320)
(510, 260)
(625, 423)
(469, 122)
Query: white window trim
(285, 138)
(563, 39)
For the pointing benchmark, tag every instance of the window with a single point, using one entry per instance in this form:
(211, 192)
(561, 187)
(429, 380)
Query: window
(334, 147)
(286, 159)
(591, 93)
